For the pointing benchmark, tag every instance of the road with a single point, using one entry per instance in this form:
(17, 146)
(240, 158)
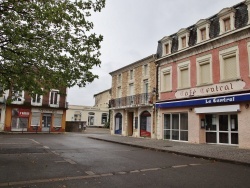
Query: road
(74, 160)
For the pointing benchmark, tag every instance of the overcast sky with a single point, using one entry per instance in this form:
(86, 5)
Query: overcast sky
(131, 30)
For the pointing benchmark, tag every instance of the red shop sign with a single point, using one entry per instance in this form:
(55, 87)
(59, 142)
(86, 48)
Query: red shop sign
(23, 112)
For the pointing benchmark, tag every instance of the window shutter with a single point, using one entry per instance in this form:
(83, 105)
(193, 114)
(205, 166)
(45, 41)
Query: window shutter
(204, 73)
(184, 78)
(230, 70)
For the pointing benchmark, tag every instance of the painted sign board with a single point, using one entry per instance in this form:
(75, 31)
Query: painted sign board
(205, 101)
(211, 89)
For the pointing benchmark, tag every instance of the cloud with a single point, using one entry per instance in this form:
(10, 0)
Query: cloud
(131, 30)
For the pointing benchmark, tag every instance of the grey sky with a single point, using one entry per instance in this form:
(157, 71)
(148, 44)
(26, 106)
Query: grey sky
(131, 30)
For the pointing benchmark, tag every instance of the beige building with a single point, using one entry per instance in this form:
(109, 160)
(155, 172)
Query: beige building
(132, 99)
(96, 116)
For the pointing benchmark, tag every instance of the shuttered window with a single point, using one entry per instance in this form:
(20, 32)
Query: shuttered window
(35, 120)
(204, 73)
(184, 78)
(230, 69)
(57, 120)
(166, 81)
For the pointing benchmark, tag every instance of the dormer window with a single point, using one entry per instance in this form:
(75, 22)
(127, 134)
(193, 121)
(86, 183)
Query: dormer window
(183, 36)
(183, 42)
(226, 18)
(202, 30)
(166, 45)
(167, 48)
(227, 26)
(247, 2)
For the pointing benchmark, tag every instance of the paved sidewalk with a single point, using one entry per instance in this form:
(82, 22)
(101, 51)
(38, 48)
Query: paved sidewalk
(223, 153)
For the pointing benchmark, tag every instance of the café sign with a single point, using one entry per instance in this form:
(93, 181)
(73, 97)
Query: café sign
(211, 90)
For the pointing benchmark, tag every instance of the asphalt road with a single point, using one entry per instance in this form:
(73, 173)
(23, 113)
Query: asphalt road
(74, 160)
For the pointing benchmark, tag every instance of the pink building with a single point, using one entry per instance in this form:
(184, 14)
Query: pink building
(203, 80)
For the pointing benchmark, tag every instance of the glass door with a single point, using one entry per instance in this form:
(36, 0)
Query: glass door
(46, 122)
(222, 128)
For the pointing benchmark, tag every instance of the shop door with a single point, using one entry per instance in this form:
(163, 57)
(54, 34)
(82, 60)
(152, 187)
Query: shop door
(118, 123)
(222, 129)
(46, 123)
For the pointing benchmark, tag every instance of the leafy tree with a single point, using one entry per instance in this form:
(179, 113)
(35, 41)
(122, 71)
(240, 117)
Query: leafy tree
(47, 44)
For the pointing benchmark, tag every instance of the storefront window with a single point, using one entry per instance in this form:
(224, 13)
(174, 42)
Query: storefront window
(145, 124)
(221, 128)
(176, 126)
(20, 119)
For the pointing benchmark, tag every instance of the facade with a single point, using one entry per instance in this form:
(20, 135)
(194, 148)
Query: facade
(203, 80)
(132, 98)
(2, 112)
(45, 113)
(96, 116)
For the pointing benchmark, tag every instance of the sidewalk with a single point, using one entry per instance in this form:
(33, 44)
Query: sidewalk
(222, 153)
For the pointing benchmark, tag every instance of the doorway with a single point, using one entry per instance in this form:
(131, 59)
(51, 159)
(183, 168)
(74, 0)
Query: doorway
(130, 123)
(46, 122)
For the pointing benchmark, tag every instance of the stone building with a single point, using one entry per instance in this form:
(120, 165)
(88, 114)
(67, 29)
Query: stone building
(92, 116)
(132, 98)
(203, 80)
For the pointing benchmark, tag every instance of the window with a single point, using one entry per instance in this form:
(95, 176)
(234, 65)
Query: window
(131, 89)
(166, 48)
(104, 118)
(204, 67)
(119, 92)
(17, 97)
(54, 98)
(183, 75)
(77, 116)
(131, 74)
(35, 119)
(166, 45)
(203, 34)
(145, 96)
(183, 37)
(227, 26)
(202, 30)
(57, 120)
(226, 19)
(119, 79)
(145, 70)
(183, 42)
(166, 82)
(229, 64)
(37, 100)
(176, 126)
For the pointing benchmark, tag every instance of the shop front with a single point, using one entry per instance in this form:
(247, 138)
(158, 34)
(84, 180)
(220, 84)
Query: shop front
(34, 120)
(212, 120)
(118, 123)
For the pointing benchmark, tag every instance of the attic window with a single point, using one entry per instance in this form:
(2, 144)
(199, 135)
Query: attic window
(227, 19)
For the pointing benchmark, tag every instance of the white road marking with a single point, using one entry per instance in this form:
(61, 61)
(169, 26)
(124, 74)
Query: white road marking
(179, 166)
(34, 141)
(89, 172)
(149, 169)
(69, 161)
(46, 147)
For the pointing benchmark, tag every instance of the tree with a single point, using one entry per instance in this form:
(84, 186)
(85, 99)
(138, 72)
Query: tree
(47, 44)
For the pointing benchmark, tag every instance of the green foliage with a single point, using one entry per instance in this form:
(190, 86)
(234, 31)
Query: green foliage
(48, 44)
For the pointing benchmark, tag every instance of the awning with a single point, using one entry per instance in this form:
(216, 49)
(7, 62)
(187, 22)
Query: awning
(217, 109)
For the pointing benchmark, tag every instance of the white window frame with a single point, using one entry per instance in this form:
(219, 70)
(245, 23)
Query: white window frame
(224, 14)
(202, 24)
(164, 71)
(182, 66)
(207, 59)
(166, 41)
(182, 33)
(20, 99)
(119, 92)
(223, 54)
(131, 92)
(58, 98)
(37, 103)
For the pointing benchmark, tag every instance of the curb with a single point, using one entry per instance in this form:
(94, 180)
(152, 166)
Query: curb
(175, 152)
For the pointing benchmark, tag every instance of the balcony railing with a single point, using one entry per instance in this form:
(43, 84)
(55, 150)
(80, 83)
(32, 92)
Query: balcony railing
(133, 100)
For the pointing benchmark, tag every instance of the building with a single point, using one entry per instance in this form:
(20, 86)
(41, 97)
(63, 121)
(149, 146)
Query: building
(45, 113)
(203, 80)
(95, 116)
(2, 112)
(132, 98)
